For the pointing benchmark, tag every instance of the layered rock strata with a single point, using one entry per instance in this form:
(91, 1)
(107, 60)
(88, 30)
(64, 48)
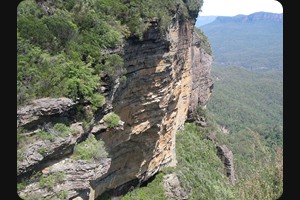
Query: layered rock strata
(202, 83)
(153, 103)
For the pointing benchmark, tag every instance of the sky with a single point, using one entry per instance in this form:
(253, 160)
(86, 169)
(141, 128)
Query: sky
(235, 7)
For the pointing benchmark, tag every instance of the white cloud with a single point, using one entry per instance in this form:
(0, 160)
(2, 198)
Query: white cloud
(235, 7)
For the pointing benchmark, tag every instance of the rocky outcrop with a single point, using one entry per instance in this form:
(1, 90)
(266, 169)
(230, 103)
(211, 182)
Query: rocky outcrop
(45, 163)
(226, 156)
(37, 154)
(37, 118)
(173, 189)
(152, 104)
(40, 109)
(69, 179)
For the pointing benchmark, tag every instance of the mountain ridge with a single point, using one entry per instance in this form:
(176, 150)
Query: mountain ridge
(267, 16)
(251, 41)
(254, 17)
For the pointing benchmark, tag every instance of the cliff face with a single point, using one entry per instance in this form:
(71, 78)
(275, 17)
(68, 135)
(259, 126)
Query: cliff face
(202, 83)
(166, 76)
(153, 103)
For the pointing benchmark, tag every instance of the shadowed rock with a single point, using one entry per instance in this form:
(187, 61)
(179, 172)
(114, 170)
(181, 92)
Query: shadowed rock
(226, 156)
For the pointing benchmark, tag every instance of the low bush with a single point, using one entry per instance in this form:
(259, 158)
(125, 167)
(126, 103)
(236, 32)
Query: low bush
(52, 179)
(90, 150)
(111, 119)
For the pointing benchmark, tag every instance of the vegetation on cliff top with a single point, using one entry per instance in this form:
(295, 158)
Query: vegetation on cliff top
(65, 47)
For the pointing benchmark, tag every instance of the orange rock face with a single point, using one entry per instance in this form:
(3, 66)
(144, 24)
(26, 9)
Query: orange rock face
(153, 103)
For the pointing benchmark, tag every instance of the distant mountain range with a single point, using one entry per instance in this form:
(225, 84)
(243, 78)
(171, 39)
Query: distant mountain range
(202, 20)
(255, 17)
(251, 41)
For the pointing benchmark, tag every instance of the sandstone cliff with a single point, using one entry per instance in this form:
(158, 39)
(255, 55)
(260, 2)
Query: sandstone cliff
(202, 83)
(166, 76)
(153, 103)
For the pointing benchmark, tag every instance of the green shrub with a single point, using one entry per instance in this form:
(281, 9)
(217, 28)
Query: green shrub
(46, 135)
(81, 82)
(87, 125)
(111, 119)
(61, 27)
(51, 180)
(21, 186)
(87, 117)
(43, 151)
(35, 31)
(39, 74)
(114, 65)
(60, 127)
(62, 130)
(97, 101)
(194, 5)
(123, 79)
(62, 194)
(29, 7)
(90, 150)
